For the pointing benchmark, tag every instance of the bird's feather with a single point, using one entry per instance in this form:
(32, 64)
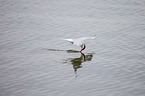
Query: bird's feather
(69, 40)
(79, 41)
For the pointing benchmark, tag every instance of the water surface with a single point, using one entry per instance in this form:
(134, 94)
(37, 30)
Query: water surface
(36, 61)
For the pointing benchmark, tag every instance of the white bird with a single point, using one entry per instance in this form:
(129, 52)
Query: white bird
(80, 42)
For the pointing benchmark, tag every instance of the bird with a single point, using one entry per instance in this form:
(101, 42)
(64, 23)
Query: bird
(80, 42)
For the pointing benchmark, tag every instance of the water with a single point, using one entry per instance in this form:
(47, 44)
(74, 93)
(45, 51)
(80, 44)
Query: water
(35, 61)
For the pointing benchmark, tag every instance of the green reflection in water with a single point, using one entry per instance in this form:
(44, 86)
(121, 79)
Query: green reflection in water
(68, 51)
(76, 62)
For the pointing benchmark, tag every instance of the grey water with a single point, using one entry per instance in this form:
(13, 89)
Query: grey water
(36, 61)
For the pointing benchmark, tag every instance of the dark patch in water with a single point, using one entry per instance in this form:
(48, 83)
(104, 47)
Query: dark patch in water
(68, 51)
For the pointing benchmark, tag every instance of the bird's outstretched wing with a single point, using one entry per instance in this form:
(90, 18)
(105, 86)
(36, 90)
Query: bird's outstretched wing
(85, 38)
(79, 41)
(69, 40)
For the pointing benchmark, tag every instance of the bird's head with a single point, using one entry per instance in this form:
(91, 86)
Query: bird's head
(83, 46)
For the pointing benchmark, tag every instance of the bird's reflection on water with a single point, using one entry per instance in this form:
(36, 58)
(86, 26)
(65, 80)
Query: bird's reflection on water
(68, 51)
(76, 62)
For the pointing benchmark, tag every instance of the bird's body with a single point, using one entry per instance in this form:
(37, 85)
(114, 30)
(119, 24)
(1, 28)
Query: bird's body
(80, 41)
